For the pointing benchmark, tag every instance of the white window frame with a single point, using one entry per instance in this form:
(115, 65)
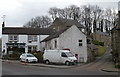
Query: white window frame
(32, 48)
(13, 38)
(32, 38)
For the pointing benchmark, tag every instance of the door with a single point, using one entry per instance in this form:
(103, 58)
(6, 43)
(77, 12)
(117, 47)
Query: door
(63, 57)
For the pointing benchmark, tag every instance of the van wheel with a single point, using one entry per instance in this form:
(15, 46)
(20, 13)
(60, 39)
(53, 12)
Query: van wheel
(67, 63)
(47, 62)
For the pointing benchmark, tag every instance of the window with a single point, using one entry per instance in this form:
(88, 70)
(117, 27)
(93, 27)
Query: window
(80, 42)
(55, 43)
(63, 54)
(10, 38)
(29, 38)
(29, 49)
(32, 38)
(13, 38)
(32, 48)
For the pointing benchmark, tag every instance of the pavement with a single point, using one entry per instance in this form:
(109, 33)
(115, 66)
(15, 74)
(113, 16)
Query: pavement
(110, 67)
(60, 66)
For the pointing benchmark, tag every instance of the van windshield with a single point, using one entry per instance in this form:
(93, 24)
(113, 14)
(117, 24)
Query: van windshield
(69, 54)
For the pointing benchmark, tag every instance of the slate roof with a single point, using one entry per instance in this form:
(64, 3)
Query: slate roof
(54, 35)
(65, 23)
(26, 31)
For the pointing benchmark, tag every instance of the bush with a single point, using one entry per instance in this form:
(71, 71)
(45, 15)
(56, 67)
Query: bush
(13, 56)
(95, 42)
(38, 55)
(98, 43)
(117, 66)
(101, 43)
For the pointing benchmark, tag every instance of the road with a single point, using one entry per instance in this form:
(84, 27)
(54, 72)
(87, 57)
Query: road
(99, 63)
(18, 69)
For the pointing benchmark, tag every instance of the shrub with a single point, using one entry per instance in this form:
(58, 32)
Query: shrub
(98, 43)
(13, 56)
(95, 42)
(39, 56)
(117, 66)
(101, 43)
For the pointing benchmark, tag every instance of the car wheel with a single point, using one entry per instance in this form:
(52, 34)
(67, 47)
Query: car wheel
(47, 62)
(67, 63)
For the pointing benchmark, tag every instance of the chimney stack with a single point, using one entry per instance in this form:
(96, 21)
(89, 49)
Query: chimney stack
(3, 24)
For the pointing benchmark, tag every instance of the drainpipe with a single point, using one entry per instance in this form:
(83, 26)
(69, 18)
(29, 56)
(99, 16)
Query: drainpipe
(117, 38)
(118, 26)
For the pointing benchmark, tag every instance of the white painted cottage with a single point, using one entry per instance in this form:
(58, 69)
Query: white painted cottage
(21, 39)
(69, 38)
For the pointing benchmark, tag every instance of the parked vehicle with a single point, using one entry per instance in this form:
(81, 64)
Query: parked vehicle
(59, 56)
(28, 58)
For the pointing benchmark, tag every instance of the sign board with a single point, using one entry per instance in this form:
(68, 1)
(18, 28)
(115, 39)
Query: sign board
(119, 6)
(16, 44)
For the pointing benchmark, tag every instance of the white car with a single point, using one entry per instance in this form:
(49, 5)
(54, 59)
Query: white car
(28, 58)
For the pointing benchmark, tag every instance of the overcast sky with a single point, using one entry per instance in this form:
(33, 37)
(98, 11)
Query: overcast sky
(18, 12)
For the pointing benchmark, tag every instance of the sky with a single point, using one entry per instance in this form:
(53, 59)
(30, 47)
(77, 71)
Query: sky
(18, 12)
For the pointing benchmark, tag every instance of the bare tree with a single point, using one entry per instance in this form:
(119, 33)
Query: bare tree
(39, 21)
(53, 12)
(71, 12)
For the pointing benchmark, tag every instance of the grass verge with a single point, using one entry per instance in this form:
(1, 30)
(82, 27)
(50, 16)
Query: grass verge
(101, 50)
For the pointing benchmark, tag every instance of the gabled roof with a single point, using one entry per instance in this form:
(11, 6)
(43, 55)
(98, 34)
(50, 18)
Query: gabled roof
(54, 35)
(26, 31)
(65, 23)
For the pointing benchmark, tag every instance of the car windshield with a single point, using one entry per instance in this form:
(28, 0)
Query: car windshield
(69, 54)
(30, 56)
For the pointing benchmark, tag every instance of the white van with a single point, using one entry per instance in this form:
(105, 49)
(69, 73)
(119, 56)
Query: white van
(59, 56)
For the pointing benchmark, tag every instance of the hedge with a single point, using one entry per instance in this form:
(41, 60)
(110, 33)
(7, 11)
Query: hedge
(98, 43)
(13, 56)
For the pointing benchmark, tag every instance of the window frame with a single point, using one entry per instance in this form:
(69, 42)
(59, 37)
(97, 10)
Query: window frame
(11, 38)
(32, 38)
(80, 42)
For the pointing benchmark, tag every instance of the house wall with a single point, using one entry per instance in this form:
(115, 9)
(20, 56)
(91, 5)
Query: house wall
(70, 39)
(51, 44)
(24, 39)
(4, 41)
